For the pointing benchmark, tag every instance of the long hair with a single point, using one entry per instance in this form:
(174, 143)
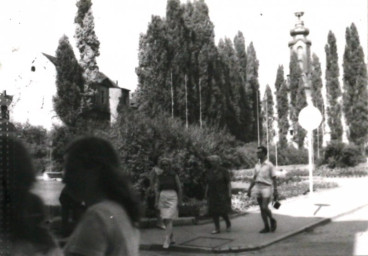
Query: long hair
(22, 211)
(93, 153)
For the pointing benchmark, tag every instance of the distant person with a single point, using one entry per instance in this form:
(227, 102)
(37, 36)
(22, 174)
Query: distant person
(264, 180)
(218, 193)
(94, 175)
(23, 230)
(168, 198)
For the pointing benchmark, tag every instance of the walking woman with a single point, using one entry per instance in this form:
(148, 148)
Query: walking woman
(168, 198)
(94, 175)
(22, 221)
(218, 193)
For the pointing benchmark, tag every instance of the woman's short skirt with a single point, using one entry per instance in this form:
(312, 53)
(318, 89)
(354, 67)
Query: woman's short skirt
(168, 204)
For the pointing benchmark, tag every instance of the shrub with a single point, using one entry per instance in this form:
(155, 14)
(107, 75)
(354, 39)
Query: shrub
(338, 154)
(141, 141)
(35, 139)
(289, 156)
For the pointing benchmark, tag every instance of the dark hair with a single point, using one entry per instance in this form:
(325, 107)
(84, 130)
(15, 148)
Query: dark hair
(263, 148)
(93, 153)
(23, 212)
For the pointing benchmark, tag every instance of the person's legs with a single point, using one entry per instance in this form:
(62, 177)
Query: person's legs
(216, 221)
(261, 202)
(160, 222)
(227, 221)
(168, 232)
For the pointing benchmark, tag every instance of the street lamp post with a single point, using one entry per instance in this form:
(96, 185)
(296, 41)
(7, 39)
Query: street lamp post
(309, 118)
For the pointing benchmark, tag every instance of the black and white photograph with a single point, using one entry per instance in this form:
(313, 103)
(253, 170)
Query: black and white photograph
(183, 127)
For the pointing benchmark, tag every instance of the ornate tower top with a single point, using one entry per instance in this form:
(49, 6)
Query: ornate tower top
(299, 26)
(6, 128)
(5, 101)
(300, 44)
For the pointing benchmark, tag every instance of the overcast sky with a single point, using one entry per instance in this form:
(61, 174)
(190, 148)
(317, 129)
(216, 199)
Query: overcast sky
(28, 28)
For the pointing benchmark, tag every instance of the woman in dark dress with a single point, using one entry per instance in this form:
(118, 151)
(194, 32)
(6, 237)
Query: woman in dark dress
(218, 192)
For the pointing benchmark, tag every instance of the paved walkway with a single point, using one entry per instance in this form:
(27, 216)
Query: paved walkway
(294, 216)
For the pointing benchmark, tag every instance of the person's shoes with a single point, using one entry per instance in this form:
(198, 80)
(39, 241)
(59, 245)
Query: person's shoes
(265, 230)
(273, 225)
(228, 229)
(216, 231)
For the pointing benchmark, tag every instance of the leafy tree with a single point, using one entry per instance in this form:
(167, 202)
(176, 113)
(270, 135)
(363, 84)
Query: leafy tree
(282, 106)
(88, 45)
(355, 104)
(236, 93)
(316, 84)
(69, 84)
(333, 88)
(246, 108)
(153, 96)
(252, 90)
(268, 116)
(36, 140)
(297, 99)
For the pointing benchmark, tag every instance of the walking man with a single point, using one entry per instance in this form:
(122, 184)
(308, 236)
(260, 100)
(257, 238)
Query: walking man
(264, 179)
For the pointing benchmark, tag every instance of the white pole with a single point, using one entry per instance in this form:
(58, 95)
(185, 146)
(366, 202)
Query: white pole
(310, 161)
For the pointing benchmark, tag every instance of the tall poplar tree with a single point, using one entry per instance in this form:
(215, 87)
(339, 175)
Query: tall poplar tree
(252, 92)
(297, 99)
(355, 104)
(153, 90)
(69, 84)
(282, 102)
(239, 45)
(333, 88)
(88, 45)
(316, 84)
(268, 117)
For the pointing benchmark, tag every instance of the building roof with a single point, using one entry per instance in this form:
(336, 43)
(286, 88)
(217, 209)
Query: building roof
(100, 78)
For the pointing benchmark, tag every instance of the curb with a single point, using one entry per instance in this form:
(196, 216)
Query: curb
(236, 249)
(184, 221)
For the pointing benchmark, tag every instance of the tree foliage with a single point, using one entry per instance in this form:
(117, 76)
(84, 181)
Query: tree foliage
(88, 46)
(69, 84)
(35, 139)
(355, 104)
(297, 99)
(282, 102)
(317, 99)
(142, 140)
(183, 73)
(268, 117)
(333, 88)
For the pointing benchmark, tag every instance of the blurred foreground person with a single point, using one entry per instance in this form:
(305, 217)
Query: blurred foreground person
(23, 231)
(108, 227)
